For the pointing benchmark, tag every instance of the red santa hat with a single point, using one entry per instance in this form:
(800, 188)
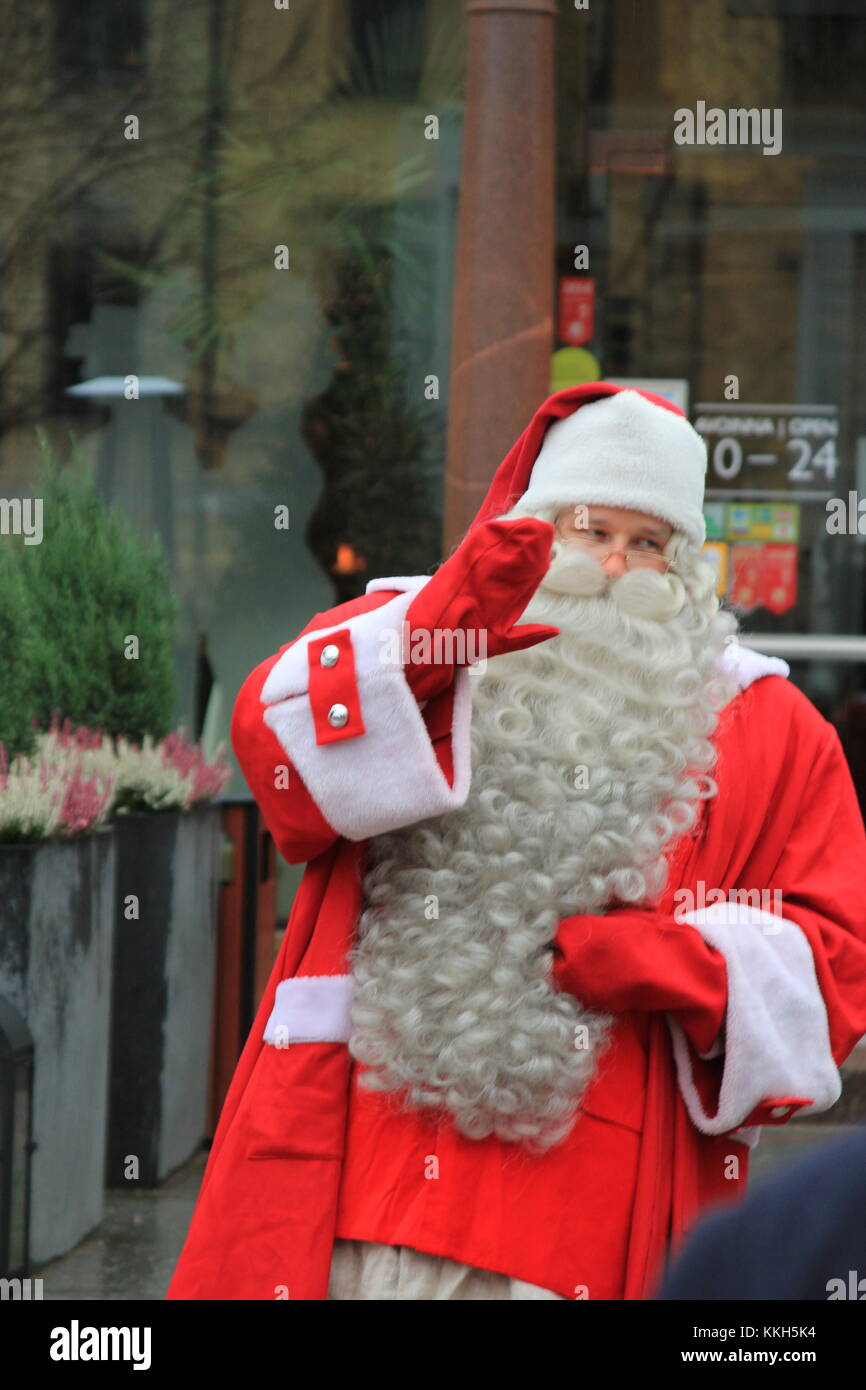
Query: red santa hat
(611, 446)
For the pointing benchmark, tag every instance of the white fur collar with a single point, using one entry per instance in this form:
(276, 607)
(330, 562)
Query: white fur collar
(750, 665)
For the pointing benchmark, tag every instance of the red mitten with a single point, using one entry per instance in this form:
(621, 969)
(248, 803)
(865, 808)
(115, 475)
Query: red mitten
(483, 587)
(634, 958)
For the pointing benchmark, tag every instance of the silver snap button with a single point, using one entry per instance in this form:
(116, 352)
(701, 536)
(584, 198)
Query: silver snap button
(330, 655)
(338, 715)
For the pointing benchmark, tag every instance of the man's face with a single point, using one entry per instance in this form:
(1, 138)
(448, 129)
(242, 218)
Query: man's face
(606, 533)
(616, 556)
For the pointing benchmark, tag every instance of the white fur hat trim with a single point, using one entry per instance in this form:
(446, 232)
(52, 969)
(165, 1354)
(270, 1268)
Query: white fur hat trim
(624, 451)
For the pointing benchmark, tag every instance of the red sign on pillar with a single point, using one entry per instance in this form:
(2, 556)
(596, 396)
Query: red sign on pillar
(745, 586)
(779, 578)
(576, 320)
(763, 575)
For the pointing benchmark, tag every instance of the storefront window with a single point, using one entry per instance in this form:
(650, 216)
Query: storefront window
(228, 236)
(254, 218)
(711, 237)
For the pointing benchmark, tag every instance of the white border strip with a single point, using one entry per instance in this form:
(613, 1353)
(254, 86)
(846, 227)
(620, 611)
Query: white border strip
(310, 1008)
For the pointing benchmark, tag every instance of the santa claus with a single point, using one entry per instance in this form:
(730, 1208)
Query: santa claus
(531, 1008)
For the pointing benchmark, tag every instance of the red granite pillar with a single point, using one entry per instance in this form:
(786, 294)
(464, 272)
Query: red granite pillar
(502, 330)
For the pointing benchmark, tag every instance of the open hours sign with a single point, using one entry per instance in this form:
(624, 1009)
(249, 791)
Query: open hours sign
(770, 450)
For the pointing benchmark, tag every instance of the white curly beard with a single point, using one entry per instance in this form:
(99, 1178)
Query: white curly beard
(590, 754)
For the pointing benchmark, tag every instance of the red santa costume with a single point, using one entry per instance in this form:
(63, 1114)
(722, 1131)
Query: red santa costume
(576, 921)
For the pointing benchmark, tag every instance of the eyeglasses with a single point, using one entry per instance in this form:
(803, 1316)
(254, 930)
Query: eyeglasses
(634, 559)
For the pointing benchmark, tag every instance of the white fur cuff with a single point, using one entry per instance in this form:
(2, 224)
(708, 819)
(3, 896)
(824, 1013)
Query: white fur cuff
(310, 1008)
(388, 776)
(777, 1039)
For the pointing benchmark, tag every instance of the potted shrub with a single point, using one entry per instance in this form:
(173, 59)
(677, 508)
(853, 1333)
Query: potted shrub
(87, 617)
(99, 614)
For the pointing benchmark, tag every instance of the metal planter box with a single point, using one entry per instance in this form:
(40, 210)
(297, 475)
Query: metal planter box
(168, 869)
(56, 932)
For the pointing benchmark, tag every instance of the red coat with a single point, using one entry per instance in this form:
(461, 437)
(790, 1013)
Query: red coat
(726, 1020)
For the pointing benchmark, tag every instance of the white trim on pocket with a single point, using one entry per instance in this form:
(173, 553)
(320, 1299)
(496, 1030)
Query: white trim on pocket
(310, 1008)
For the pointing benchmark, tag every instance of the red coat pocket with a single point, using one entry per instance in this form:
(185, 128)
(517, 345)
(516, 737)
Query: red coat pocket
(297, 1102)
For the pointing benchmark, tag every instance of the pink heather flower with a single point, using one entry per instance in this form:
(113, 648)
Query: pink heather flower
(206, 781)
(83, 803)
(67, 802)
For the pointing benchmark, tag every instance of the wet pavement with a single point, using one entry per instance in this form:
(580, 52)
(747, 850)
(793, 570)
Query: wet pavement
(133, 1253)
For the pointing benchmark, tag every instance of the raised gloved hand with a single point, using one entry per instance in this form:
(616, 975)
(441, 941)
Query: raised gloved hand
(639, 958)
(483, 587)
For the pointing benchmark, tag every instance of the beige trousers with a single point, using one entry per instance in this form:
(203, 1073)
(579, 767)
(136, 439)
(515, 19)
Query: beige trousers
(363, 1270)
